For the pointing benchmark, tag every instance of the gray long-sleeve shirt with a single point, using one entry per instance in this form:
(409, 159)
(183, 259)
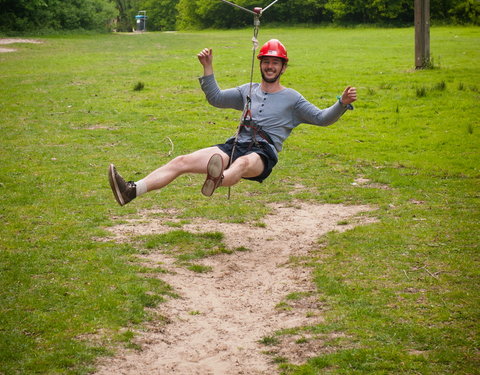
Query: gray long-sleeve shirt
(276, 113)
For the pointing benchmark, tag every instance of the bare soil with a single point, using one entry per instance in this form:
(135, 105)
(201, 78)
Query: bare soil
(4, 41)
(216, 325)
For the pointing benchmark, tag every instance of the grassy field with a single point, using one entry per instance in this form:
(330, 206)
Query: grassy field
(404, 291)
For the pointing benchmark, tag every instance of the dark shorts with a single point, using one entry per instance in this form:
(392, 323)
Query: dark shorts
(263, 149)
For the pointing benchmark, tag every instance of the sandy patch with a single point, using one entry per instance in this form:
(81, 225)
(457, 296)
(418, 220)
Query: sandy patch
(366, 183)
(216, 325)
(4, 41)
(16, 40)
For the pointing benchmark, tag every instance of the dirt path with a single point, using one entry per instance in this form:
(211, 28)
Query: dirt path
(216, 325)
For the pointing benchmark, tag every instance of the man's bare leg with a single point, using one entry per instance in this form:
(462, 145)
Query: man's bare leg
(250, 165)
(245, 166)
(195, 162)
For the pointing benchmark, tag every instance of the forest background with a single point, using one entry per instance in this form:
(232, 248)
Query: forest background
(44, 16)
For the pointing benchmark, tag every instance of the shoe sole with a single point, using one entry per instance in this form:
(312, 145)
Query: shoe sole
(114, 185)
(214, 172)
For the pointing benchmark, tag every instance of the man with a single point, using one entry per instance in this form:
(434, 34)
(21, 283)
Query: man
(271, 114)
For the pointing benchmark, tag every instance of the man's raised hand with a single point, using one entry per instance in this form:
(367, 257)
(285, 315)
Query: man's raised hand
(206, 59)
(349, 95)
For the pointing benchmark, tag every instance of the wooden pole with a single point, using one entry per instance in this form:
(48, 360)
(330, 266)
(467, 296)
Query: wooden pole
(422, 34)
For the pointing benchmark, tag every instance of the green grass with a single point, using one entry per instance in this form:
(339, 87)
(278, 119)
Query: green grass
(186, 247)
(403, 290)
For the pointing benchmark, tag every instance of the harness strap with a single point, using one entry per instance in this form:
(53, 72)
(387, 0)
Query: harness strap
(257, 130)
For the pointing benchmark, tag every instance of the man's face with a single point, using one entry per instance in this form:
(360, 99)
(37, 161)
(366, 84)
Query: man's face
(272, 68)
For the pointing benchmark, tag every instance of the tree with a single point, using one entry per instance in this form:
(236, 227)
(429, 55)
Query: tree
(126, 14)
(83, 14)
(373, 11)
(34, 15)
(467, 11)
(187, 15)
(162, 14)
(216, 14)
(299, 11)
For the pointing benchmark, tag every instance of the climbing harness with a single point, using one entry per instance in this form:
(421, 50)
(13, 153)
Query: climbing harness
(246, 121)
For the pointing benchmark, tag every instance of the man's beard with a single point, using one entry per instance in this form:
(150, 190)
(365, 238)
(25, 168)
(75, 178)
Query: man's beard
(271, 80)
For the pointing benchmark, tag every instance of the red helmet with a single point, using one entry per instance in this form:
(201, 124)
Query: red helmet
(273, 48)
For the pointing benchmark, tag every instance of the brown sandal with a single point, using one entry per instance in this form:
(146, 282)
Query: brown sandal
(214, 175)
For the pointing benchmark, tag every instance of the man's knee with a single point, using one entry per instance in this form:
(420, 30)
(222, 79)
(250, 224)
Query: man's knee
(180, 163)
(243, 162)
(251, 165)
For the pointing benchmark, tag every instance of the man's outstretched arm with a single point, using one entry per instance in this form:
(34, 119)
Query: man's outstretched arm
(230, 98)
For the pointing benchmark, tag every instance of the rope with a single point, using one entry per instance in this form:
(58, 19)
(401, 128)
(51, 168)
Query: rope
(256, 29)
(247, 113)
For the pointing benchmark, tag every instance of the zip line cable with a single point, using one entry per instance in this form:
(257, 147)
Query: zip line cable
(246, 119)
(254, 12)
(239, 7)
(269, 5)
